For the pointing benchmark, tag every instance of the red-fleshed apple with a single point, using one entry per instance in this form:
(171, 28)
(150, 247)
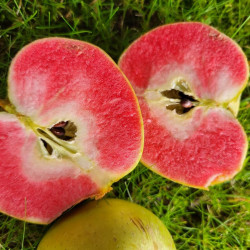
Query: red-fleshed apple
(72, 128)
(188, 78)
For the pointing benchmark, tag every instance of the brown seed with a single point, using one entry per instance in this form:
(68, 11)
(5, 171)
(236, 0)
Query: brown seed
(58, 131)
(61, 124)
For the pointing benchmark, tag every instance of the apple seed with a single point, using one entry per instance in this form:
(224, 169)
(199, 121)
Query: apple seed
(64, 130)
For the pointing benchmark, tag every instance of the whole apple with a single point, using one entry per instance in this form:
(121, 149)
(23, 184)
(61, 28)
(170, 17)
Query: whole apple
(108, 224)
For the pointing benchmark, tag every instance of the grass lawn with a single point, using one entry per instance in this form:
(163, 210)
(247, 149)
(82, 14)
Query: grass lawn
(197, 219)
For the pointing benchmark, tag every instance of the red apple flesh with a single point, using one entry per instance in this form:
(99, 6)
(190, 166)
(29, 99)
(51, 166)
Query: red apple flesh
(72, 128)
(188, 78)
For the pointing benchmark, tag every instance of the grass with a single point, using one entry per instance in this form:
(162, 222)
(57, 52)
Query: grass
(197, 219)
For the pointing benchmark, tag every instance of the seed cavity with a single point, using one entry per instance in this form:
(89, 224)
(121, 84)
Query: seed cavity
(181, 102)
(47, 146)
(56, 139)
(64, 130)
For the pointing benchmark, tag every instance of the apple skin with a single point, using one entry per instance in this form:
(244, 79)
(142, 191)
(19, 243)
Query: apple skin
(205, 145)
(108, 224)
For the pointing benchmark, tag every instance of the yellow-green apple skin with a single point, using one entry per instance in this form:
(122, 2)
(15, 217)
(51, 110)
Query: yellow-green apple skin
(108, 224)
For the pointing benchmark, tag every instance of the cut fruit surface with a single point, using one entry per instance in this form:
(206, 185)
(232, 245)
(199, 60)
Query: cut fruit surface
(73, 128)
(188, 78)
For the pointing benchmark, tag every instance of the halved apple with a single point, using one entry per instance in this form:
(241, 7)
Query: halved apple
(188, 78)
(72, 128)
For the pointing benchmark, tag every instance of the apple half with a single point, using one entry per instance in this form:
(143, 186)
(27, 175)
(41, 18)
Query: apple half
(188, 78)
(72, 127)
